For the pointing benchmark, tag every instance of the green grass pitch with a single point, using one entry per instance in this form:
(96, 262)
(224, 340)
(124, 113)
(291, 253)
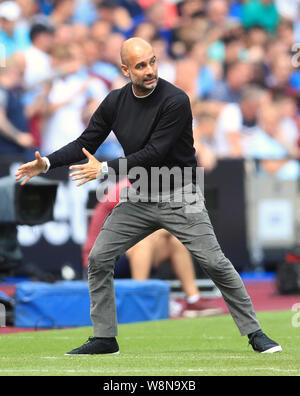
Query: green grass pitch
(185, 347)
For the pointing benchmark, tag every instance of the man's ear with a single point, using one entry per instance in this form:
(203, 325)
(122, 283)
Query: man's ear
(125, 70)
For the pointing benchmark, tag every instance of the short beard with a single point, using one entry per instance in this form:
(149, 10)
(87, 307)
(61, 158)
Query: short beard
(144, 89)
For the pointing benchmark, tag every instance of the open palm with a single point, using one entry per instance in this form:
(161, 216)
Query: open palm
(86, 172)
(31, 169)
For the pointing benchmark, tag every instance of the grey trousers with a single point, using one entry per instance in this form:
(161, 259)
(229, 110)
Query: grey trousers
(188, 220)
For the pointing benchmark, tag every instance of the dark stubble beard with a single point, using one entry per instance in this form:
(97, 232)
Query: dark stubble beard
(144, 90)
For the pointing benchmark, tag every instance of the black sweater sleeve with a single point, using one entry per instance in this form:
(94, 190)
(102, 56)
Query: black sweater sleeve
(94, 135)
(175, 116)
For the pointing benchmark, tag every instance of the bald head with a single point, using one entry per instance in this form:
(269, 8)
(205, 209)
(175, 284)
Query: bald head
(139, 64)
(134, 47)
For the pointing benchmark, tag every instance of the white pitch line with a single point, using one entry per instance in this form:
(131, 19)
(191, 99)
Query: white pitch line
(139, 371)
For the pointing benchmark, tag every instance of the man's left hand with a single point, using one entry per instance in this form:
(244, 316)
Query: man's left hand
(86, 172)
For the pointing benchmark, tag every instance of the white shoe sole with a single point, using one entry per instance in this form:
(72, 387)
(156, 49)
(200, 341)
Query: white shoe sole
(274, 349)
(91, 354)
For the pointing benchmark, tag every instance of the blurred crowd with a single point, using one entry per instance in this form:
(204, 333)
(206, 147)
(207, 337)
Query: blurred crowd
(237, 61)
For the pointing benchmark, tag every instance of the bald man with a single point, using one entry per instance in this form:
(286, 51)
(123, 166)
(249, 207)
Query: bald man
(152, 120)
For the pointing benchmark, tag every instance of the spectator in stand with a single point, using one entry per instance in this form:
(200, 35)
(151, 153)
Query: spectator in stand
(239, 74)
(93, 64)
(290, 122)
(279, 79)
(38, 73)
(62, 12)
(63, 35)
(194, 74)
(14, 136)
(36, 60)
(29, 8)
(204, 140)
(217, 13)
(100, 32)
(146, 256)
(163, 16)
(112, 49)
(272, 146)
(81, 33)
(260, 12)
(146, 31)
(286, 34)
(122, 18)
(101, 35)
(188, 10)
(166, 65)
(13, 35)
(236, 124)
(111, 148)
(68, 97)
(110, 66)
(85, 12)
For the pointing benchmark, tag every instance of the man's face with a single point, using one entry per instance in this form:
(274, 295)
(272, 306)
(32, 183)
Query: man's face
(142, 70)
(7, 26)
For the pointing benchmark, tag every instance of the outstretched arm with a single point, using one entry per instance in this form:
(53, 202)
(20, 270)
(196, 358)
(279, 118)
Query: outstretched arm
(81, 148)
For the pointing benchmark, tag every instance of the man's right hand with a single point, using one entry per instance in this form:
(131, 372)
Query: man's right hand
(31, 169)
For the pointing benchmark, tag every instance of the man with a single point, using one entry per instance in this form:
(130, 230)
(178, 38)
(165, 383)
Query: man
(229, 90)
(152, 120)
(14, 136)
(237, 123)
(14, 35)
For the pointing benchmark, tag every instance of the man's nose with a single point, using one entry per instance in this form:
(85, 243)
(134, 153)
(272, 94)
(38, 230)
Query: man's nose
(149, 69)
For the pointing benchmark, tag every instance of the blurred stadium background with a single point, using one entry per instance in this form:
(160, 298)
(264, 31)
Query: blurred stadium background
(239, 63)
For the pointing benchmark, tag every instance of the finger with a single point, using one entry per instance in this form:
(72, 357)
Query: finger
(23, 167)
(25, 181)
(78, 177)
(77, 166)
(75, 173)
(38, 155)
(83, 182)
(87, 154)
(19, 177)
(20, 174)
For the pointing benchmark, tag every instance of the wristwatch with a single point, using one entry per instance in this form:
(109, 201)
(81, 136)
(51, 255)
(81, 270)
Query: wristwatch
(104, 169)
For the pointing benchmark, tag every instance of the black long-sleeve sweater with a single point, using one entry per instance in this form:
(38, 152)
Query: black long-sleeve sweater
(154, 131)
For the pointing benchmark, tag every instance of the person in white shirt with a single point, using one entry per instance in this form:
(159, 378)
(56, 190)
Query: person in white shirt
(36, 59)
(273, 146)
(236, 124)
(67, 99)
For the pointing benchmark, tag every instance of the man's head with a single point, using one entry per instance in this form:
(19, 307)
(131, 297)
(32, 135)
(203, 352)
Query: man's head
(239, 74)
(251, 100)
(42, 36)
(139, 63)
(10, 75)
(10, 13)
(217, 11)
